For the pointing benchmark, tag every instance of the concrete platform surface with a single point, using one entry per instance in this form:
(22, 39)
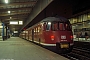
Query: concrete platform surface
(16, 48)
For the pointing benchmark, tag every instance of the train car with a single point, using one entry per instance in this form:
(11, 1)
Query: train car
(53, 32)
(22, 35)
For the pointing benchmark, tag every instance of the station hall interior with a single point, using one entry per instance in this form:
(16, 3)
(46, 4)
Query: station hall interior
(19, 40)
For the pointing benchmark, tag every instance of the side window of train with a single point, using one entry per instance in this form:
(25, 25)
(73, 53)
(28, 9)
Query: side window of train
(48, 26)
(44, 26)
(68, 27)
(39, 30)
(34, 31)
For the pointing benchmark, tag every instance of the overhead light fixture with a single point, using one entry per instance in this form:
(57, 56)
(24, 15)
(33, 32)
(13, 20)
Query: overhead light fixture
(6, 1)
(9, 12)
(14, 22)
(20, 22)
(15, 31)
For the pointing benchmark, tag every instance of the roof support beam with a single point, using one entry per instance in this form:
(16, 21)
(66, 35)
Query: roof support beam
(16, 9)
(14, 13)
(13, 4)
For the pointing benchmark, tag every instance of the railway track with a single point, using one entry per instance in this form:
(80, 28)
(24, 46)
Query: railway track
(78, 54)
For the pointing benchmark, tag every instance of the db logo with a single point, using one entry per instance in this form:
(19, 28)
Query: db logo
(63, 37)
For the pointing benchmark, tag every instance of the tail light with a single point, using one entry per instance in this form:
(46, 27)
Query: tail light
(52, 37)
(71, 37)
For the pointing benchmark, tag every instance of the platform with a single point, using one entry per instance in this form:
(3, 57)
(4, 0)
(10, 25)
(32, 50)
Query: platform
(16, 48)
(82, 39)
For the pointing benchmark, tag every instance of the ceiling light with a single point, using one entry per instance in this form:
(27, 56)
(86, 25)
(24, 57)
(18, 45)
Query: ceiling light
(15, 31)
(20, 22)
(6, 1)
(14, 22)
(9, 12)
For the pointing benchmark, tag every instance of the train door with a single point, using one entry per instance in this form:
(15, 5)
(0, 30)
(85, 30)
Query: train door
(32, 34)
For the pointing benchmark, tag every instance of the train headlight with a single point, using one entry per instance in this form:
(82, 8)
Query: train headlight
(52, 37)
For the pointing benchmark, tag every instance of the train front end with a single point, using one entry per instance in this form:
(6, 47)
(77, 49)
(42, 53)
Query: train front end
(59, 34)
(64, 40)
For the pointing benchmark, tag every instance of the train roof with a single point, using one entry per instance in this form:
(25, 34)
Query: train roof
(51, 19)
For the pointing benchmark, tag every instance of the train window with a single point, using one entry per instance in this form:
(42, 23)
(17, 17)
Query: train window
(44, 26)
(34, 31)
(48, 26)
(55, 26)
(38, 29)
(61, 26)
(68, 26)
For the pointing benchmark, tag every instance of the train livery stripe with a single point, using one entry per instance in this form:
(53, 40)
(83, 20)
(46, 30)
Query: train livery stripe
(49, 44)
(45, 44)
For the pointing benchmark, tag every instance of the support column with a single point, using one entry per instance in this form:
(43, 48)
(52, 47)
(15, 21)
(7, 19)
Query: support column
(3, 32)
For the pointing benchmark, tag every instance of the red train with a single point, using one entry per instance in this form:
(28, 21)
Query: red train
(51, 32)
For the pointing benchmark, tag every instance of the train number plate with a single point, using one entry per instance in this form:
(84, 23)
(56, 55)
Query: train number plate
(64, 45)
(63, 37)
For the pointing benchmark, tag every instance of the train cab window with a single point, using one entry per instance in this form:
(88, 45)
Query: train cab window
(61, 26)
(55, 26)
(48, 27)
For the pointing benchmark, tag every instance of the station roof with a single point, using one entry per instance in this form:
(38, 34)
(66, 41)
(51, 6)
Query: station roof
(15, 10)
(21, 10)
